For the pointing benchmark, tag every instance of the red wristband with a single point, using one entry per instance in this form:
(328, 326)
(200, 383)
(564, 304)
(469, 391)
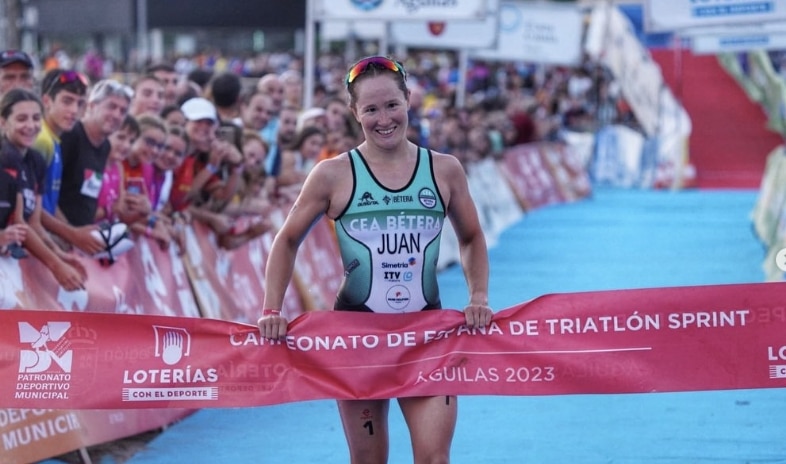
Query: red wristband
(271, 312)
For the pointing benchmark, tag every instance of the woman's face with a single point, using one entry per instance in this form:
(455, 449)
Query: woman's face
(175, 118)
(121, 141)
(173, 153)
(149, 146)
(336, 113)
(381, 109)
(312, 146)
(201, 133)
(22, 125)
(254, 153)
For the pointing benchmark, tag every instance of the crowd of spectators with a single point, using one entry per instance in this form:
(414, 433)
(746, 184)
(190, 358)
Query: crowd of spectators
(198, 140)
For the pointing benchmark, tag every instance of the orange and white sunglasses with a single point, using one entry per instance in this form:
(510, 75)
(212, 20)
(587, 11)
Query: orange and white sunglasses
(374, 61)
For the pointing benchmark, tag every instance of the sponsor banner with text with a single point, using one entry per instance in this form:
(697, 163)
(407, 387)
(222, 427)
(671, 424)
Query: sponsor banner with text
(676, 15)
(539, 32)
(629, 341)
(403, 9)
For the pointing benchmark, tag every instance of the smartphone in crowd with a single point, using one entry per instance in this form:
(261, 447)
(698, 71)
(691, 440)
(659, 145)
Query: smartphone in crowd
(135, 186)
(227, 134)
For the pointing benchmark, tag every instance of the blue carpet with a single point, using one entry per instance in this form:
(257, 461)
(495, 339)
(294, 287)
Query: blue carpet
(617, 239)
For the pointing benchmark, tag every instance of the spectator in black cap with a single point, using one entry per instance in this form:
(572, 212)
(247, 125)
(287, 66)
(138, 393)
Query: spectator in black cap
(16, 71)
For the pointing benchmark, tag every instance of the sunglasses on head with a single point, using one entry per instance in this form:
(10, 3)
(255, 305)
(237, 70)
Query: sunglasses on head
(374, 61)
(109, 87)
(67, 77)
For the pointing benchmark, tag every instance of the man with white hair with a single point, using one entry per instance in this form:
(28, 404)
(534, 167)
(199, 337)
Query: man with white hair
(85, 149)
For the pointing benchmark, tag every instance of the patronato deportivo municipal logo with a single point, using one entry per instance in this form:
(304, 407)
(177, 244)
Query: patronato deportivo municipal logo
(366, 5)
(45, 368)
(50, 350)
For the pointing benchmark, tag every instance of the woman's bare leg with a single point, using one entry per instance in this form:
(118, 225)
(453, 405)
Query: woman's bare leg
(366, 428)
(431, 422)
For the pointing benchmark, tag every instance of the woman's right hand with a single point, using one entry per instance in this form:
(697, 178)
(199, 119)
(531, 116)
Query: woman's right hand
(14, 233)
(272, 325)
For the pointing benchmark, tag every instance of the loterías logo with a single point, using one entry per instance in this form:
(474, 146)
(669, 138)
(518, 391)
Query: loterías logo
(152, 383)
(172, 344)
(366, 5)
(48, 346)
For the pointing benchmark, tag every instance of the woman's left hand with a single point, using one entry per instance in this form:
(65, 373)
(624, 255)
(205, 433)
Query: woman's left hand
(478, 315)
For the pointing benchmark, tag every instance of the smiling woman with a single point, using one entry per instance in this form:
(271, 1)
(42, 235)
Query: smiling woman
(20, 120)
(391, 178)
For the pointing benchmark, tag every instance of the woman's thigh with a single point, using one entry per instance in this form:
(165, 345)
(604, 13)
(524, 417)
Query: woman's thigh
(431, 422)
(366, 428)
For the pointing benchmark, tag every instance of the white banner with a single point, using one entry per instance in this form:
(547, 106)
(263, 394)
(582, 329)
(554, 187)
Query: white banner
(338, 29)
(538, 33)
(673, 15)
(388, 10)
(446, 34)
(740, 42)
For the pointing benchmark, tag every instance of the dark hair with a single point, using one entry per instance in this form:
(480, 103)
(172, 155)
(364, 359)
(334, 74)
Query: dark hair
(249, 135)
(153, 68)
(225, 89)
(186, 95)
(52, 83)
(143, 78)
(180, 132)
(249, 94)
(130, 123)
(14, 96)
(169, 109)
(200, 76)
(304, 134)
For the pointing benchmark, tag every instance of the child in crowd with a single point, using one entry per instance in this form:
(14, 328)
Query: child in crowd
(298, 159)
(141, 190)
(252, 196)
(175, 150)
(248, 209)
(111, 198)
(173, 116)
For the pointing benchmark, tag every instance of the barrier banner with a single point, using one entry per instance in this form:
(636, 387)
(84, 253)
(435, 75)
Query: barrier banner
(226, 283)
(542, 174)
(146, 279)
(318, 267)
(30, 435)
(628, 341)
